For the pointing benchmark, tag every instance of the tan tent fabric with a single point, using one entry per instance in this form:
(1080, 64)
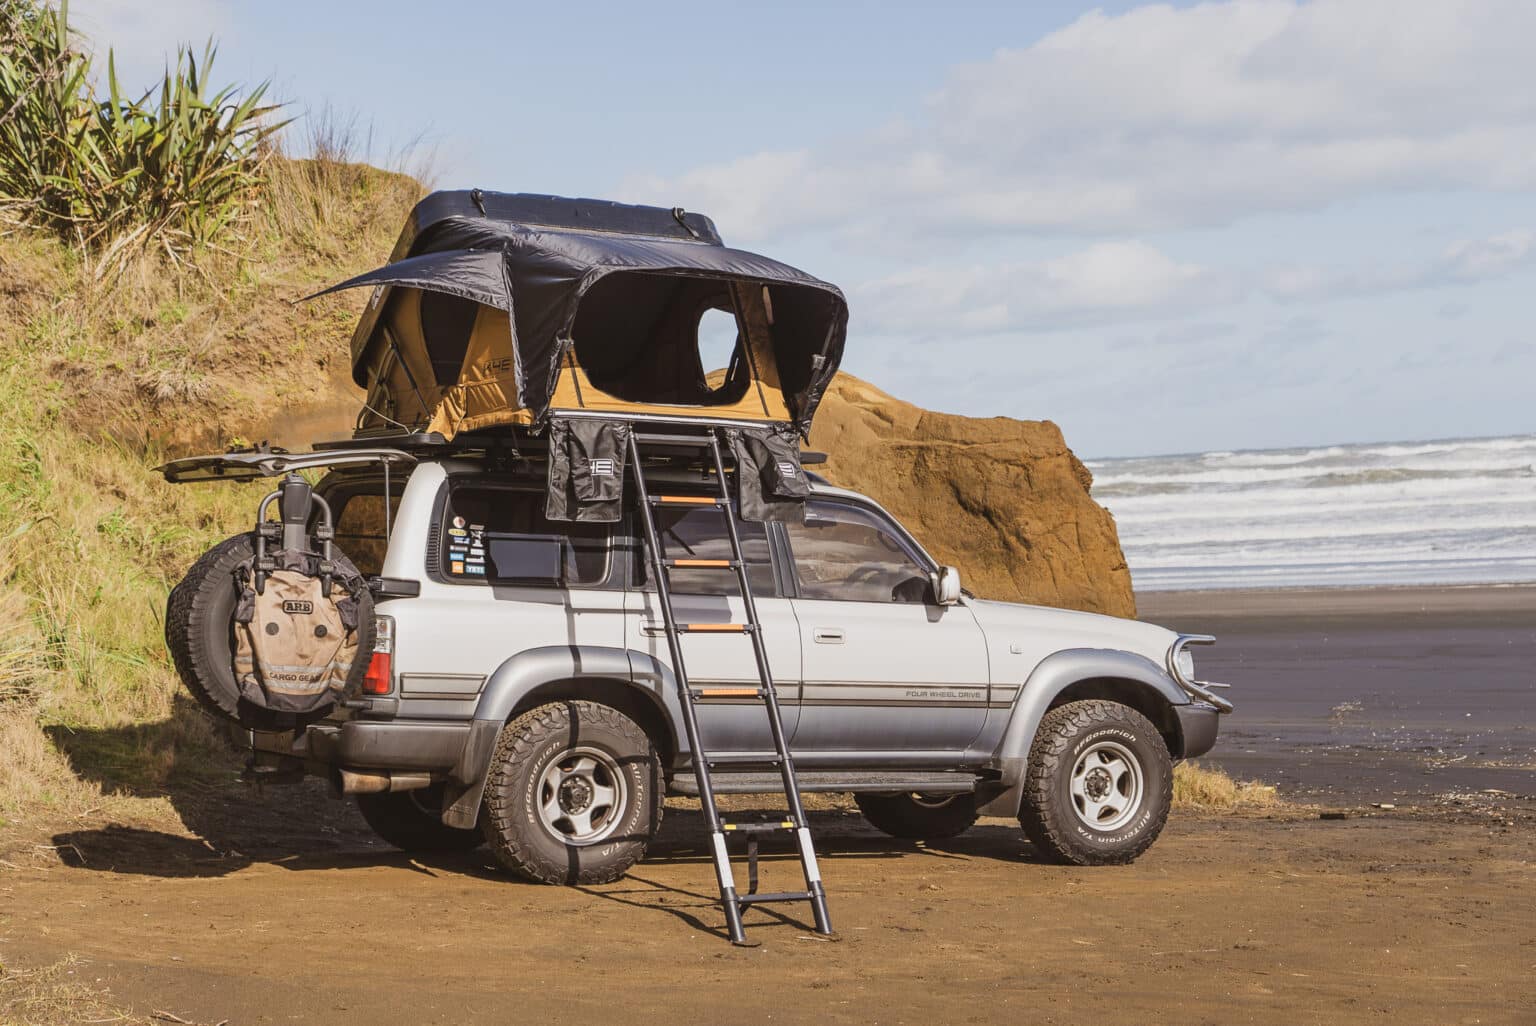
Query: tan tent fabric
(626, 285)
(485, 394)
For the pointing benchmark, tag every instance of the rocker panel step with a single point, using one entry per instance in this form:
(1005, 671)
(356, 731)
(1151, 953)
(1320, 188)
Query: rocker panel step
(823, 782)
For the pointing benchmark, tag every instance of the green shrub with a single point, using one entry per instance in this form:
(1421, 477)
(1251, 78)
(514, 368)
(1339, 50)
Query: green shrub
(176, 168)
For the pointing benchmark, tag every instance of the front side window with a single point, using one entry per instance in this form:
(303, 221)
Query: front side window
(699, 534)
(849, 554)
(501, 535)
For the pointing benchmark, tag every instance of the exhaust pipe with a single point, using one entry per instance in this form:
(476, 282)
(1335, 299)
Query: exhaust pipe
(366, 782)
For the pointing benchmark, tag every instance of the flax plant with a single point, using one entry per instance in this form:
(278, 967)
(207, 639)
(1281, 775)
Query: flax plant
(177, 168)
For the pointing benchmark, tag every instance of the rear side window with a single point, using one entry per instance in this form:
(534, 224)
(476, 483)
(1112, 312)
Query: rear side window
(700, 534)
(358, 509)
(501, 535)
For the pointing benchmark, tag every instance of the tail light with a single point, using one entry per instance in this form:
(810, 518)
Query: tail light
(380, 678)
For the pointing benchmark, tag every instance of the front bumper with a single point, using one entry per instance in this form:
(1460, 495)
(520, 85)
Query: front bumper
(1198, 723)
(1199, 690)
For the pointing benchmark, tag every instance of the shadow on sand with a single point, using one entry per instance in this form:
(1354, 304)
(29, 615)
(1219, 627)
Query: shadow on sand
(230, 826)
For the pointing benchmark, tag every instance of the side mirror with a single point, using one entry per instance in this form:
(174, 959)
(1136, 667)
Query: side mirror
(946, 585)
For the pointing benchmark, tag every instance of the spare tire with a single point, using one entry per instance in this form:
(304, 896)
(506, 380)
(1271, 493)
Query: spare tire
(200, 633)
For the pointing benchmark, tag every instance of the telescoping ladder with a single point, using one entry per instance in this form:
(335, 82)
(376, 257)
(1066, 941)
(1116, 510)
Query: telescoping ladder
(703, 763)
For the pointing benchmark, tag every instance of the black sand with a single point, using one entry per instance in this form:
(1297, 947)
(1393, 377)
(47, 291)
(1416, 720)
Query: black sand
(1409, 696)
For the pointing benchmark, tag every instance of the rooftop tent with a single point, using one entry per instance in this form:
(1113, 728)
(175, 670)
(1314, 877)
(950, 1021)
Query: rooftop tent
(501, 309)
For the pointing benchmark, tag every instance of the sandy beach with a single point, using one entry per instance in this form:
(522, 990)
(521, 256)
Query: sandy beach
(1407, 696)
(1324, 909)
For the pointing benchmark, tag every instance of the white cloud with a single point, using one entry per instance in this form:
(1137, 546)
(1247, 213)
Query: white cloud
(1131, 281)
(1479, 259)
(1104, 282)
(1165, 118)
(1464, 262)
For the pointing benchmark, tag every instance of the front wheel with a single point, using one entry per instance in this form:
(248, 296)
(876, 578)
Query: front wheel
(1099, 785)
(919, 817)
(574, 794)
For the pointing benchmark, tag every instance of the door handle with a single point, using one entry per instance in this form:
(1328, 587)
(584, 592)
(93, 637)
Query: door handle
(828, 635)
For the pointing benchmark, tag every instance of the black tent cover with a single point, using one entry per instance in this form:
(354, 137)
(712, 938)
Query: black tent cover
(537, 257)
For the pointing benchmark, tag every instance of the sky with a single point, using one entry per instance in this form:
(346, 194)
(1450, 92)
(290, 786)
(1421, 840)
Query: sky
(1168, 228)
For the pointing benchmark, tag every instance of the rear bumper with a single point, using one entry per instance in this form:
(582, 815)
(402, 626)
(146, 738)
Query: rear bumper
(395, 744)
(1198, 723)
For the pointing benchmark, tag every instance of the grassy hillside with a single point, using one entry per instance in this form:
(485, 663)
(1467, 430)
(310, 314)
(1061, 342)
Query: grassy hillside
(98, 380)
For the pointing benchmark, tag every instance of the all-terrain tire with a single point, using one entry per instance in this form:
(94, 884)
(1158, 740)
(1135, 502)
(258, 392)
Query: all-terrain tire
(199, 631)
(919, 817)
(412, 821)
(1090, 741)
(547, 762)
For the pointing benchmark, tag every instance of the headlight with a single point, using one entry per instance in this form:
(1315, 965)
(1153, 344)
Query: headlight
(1186, 664)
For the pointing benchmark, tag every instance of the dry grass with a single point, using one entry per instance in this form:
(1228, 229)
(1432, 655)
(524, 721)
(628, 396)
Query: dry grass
(98, 383)
(1203, 788)
(65, 992)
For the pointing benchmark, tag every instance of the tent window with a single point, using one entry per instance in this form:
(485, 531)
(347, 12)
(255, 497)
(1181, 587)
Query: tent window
(652, 338)
(717, 340)
(446, 324)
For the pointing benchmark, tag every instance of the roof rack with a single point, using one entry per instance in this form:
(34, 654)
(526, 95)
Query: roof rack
(520, 440)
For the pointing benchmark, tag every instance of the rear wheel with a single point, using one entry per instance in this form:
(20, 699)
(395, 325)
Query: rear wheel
(919, 817)
(1099, 785)
(413, 821)
(574, 794)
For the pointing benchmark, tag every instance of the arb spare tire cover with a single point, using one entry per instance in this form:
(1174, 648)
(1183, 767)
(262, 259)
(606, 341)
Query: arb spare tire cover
(240, 654)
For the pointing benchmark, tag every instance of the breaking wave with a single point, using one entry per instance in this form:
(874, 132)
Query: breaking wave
(1456, 511)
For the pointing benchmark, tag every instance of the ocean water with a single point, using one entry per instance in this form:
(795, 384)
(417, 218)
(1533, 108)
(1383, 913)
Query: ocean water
(1461, 511)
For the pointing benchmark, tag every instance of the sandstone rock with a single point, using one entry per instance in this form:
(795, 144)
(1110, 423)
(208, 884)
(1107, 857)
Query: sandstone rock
(1004, 500)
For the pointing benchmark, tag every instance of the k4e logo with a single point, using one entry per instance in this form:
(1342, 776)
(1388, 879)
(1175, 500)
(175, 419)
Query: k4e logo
(602, 467)
(298, 607)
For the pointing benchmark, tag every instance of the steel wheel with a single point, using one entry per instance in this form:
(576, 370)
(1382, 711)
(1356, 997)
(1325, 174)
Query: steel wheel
(582, 796)
(1107, 785)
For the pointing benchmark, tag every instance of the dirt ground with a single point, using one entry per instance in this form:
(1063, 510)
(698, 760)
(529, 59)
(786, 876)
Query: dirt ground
(1279, 918)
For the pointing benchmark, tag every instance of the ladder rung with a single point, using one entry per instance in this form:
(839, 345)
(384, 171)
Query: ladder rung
(716, 628)
(758, 828)
(687, 500)
(771, 896)
(702, 441)
(700, 564)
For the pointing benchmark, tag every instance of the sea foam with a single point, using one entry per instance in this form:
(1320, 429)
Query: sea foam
(1457, 511)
